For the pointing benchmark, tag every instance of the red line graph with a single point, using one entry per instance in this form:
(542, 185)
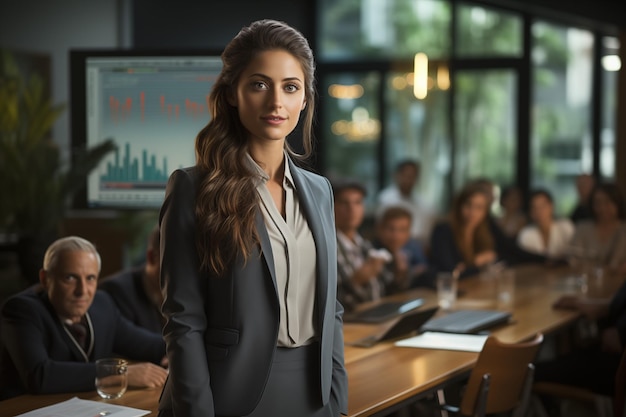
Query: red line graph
(121, 109)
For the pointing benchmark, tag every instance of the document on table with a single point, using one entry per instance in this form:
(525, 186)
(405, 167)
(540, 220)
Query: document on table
(445, 341)
(75, 407)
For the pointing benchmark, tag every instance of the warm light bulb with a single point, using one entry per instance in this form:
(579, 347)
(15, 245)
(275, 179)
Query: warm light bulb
(420, 71)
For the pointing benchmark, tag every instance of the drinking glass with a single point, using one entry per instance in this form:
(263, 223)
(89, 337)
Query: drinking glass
(446, 290)
(111, 377)
(506, 289)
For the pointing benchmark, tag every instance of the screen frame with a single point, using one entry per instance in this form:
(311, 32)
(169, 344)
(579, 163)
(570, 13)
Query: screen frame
(78, 104)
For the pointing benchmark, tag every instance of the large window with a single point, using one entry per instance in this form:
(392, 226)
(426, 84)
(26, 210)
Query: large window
(610, 65)
(561, 131)
(351, 129)
(366, 29)
(514, 113)
(418, 129)
(485, 120)
(485, 32)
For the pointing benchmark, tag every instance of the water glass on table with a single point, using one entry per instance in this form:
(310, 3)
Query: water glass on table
(446, 290)
(111, 377)
(505, 284)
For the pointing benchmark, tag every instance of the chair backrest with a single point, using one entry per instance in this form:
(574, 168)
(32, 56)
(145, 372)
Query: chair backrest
(507, 365)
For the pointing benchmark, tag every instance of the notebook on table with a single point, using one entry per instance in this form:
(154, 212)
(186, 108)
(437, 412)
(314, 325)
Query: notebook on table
(467, 321)
(384, 311)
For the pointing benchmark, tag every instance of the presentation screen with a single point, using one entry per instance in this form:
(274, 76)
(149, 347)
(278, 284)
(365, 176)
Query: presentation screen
(152, 105)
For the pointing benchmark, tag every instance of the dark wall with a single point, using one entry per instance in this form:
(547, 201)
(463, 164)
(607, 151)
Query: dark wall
(211, 24)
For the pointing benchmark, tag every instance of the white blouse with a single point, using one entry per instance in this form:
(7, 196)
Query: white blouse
(559, 240)
(294, 255)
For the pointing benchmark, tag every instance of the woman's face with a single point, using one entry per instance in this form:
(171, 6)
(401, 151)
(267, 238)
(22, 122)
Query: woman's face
(270, 95)
(513, 201)
(474, 210)
(541, 209)
(603, 207)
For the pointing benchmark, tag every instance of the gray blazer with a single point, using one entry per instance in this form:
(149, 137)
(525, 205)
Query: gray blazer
(221, 332)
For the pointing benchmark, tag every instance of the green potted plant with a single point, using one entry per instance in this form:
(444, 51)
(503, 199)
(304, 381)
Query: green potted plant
(36, 184)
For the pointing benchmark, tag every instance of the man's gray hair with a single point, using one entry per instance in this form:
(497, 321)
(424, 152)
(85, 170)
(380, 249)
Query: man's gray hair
(65, 244)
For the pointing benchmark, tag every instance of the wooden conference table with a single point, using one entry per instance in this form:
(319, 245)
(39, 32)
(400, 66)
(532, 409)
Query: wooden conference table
(385, 377)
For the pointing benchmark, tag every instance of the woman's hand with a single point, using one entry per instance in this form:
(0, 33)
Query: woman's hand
(485, 258)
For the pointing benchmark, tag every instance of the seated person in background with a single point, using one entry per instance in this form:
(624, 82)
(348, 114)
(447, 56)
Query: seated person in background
(402, 191)
(507, 247)
(52, 336)
(358, 267)
(584, 186)
(604, 237)
(408, 266)
(592, 367)
(137, 292)
(464, 243)
(513, 218)
(546, 235)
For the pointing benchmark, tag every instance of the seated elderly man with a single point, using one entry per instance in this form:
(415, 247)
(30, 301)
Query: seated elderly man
(52, 336)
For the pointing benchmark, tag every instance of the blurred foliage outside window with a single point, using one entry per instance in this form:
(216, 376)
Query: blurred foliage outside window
(381, 37)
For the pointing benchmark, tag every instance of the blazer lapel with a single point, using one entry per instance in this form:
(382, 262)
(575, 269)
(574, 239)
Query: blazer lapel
(306, 199)
(78, 354)
(266, 246)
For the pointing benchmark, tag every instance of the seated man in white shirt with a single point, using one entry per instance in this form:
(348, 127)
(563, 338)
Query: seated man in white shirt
(402, 192)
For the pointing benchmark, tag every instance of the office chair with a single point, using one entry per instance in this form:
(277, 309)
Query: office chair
(501, 380)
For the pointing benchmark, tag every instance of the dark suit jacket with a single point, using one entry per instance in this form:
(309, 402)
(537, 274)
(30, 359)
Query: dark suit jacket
(221, 332)
(127, 290)
(38, 356)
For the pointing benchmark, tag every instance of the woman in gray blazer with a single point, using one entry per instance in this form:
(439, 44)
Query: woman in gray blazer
(248, 248)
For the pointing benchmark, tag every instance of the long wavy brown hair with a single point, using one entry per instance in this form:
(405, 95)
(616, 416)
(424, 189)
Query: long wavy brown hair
(482, 239)
(227, 200)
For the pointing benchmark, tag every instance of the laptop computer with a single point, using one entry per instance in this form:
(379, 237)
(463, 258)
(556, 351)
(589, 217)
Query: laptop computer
(405, 325)
(384, 311)
(467, 321)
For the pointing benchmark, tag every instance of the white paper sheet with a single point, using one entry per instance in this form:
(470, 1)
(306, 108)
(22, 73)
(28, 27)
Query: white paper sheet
(445, 341)
(75, 407)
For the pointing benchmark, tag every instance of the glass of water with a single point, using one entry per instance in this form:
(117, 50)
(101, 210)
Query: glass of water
(446, 290)
(111, 377)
